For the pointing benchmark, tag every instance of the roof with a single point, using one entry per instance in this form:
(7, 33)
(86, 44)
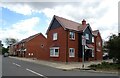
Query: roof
(95, 32)
(69, 24)
(31, 37)
(89, 46)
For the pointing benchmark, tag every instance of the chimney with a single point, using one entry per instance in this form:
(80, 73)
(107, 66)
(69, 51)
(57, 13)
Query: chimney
(83, 22)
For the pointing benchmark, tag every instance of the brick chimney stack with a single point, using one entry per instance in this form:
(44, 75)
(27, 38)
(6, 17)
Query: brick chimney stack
(83, 22)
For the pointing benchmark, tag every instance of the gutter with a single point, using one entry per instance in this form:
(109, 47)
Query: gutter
(67, 47)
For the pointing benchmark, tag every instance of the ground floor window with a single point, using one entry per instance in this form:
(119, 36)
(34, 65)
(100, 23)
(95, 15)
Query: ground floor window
(71, 52)
(93, 54)
(54, 52)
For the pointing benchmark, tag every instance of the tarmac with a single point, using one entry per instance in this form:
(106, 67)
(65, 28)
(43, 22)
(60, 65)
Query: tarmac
(62, 65)
(69, 66)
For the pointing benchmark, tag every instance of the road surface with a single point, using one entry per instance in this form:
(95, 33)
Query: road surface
(14, 67)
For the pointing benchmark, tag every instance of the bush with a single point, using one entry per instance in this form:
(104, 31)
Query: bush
(106, 65)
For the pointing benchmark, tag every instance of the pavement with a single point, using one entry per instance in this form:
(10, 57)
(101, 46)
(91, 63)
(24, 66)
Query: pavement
(62, 65)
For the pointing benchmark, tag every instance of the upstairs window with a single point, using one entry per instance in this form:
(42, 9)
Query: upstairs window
(87, 36)
(99, 43)
(55, 36)
(72, 35)
(93, 39)
(23, 44)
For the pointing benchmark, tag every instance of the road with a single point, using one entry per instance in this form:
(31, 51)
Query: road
(14, 67)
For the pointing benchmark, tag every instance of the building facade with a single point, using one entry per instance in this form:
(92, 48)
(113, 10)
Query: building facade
(64, 41)
(32, 47)
(97, 45)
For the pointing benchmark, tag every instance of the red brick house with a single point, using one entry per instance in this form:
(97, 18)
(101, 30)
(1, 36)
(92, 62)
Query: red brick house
(64, 40)
(33, 47)
(12, 49)
(97, 45)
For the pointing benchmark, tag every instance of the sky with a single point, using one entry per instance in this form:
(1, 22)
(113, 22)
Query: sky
(20, 20)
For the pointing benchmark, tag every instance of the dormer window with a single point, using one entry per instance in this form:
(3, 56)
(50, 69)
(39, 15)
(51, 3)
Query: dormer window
(87, 36)
(55, 36)
(72, 35)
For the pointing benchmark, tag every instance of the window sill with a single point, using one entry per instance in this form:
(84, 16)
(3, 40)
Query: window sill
(54, 56)
(71, 56)
(54, 40)
(72, 39)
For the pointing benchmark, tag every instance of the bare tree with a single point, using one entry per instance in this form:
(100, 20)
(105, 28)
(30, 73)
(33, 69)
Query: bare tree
(10, 41)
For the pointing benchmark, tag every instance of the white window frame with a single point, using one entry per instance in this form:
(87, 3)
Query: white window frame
(42, 45)
(32, 54)
(22, 44)
(29, 54)
(93, 53)
(54, 53)
(98, 49)
(72, 35)
(55, 35)
(93, 39)
(99, 43)
(73, 54)
(87, 36)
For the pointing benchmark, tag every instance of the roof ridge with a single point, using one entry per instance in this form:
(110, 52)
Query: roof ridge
(29, 38)
(95, 30)
(67, 19)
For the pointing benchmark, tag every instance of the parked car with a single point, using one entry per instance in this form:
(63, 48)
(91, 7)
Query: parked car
(6, 54)
(105, 56)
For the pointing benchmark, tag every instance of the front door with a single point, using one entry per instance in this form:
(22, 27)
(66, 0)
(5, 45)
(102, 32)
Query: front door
(87, 54)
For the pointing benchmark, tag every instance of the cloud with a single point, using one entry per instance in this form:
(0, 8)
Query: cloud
(101, 14)
(19, 8)
(21, 29)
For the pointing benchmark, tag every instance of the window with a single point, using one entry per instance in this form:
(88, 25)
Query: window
(93, 39)
(54, 36)
(99, 43)
(31, 54)
(93, 53)
(87, 36)
(72, 35)
(71, 52)
(23, 44)
(42, 45)
(98, 49)
(54, 51)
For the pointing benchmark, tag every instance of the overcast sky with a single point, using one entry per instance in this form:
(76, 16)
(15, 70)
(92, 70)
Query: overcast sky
(23, 19)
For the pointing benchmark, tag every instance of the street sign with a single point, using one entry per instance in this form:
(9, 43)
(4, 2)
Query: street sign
(83, 40)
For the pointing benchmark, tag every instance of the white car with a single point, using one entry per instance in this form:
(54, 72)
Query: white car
(6, 54)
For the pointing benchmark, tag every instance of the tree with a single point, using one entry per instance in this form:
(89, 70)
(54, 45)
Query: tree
(10, 41)
(4, 50)
(114, 47)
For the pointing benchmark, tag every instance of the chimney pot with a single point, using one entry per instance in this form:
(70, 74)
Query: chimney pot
(83, 22)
